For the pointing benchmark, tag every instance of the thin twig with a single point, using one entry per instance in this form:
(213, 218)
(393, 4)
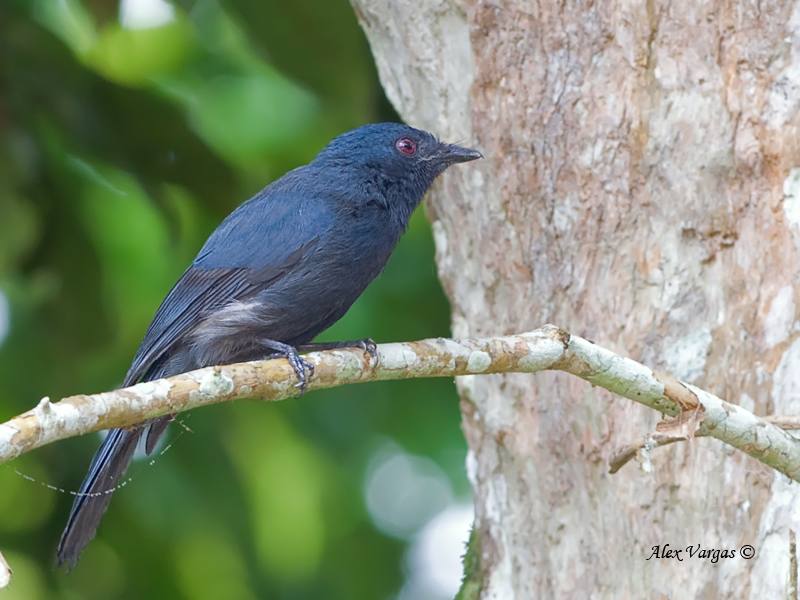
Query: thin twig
(662, 437)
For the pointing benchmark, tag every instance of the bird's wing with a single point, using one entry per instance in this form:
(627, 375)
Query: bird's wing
(248, 253)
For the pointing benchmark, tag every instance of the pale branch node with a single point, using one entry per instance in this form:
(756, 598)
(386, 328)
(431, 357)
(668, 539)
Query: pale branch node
(5, 572)
(688, 411)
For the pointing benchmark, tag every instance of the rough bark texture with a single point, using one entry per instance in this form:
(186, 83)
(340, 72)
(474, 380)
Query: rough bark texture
(641, 188)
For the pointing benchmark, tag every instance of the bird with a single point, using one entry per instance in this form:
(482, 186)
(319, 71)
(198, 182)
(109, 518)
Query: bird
(280, 269)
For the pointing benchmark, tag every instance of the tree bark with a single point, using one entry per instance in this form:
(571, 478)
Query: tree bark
(641, 189)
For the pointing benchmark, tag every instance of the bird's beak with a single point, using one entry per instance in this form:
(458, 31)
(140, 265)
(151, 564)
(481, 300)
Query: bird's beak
(451, 154)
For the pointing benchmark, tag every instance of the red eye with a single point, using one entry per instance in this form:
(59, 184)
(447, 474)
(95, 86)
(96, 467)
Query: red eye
(406, 146)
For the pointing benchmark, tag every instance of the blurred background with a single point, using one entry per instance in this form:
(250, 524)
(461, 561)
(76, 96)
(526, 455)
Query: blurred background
(128, 131)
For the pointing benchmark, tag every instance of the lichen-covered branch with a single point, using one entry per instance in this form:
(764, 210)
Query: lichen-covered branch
(687, 408)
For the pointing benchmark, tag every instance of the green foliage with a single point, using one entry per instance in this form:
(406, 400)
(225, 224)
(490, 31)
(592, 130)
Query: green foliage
(472, 583)
(121, 148)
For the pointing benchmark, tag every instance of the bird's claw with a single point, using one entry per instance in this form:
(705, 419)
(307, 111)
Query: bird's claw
(299, 364)
(369, 346)
(290, 353)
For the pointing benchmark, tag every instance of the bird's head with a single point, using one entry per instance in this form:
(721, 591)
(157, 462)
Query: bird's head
(401, 160)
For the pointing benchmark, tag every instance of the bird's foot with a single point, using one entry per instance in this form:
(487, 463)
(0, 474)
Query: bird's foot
(367, 345)
(291, 354)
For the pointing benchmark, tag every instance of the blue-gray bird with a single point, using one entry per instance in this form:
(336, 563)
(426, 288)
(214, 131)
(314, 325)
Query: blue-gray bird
(280, 269)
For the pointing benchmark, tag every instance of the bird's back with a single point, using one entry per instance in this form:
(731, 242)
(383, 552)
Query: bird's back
(285, 265)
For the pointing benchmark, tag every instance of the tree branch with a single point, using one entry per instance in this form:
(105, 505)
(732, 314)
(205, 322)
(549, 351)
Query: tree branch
(689, 411)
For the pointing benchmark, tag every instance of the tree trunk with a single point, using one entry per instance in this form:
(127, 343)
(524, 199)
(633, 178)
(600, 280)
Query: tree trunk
(638, 190)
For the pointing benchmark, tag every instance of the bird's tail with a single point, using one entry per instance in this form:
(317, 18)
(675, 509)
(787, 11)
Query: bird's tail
(109, 464)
